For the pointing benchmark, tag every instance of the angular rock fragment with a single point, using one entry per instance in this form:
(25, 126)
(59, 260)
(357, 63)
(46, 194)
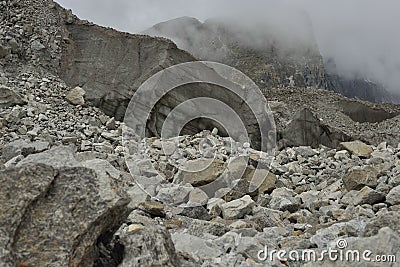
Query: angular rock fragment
(61, 156)
(75, 96)
(4, 51)
(23, 147)
(386, 242)
(283, 199)
(306, 129)
(368, 196)
(18, 191)
(357, 148)
(195, 246)
(357, 178)
(393, 198)
(200, 171)
(383, 219)
(236, 209)
(9, 98)
(146, 244)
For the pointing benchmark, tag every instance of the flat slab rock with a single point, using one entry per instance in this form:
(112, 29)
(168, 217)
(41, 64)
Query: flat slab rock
(56, 218)
(357, 148)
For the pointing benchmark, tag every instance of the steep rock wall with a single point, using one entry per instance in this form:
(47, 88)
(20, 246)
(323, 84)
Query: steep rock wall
(110, 65)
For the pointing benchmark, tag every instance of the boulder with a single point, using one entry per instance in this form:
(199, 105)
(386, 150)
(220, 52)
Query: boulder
(357, 178)
(393, 198)
(357, 148)
(306, 129)
(384, 219)
(146, 243)
(24, 148)
(75, 96)
(196, 212)
(200, 171)
(9, 97)
(268, 180)
(56, 218)
(330, 233)
(153, 208)
(200, 228)
(61, 156)
(37, 45)
(386, 242)
(4, 51)
(368, 196)
(195, 246)
(284, 199)
(174, 194)
(236, 209)
(17, 193)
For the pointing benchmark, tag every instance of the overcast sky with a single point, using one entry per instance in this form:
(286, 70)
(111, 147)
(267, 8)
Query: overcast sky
(361, 35)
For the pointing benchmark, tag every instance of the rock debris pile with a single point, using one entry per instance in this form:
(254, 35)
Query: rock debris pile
(71, 189)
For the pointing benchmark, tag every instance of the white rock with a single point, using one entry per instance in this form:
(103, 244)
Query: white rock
(236, 209)
(37, 46)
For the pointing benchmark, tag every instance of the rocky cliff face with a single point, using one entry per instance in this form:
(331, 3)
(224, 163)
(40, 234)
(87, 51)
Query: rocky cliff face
(110, 76)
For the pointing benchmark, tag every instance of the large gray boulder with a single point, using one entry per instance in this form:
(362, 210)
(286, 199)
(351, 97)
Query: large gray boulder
(393, 197)
(146, 243)
(23, 147)
(4, 51)
(384, 219)
(200, 171)
(76, 96)
(357, 178)
(56, 218)
(306, 129)
(61, 156)
(236, 209)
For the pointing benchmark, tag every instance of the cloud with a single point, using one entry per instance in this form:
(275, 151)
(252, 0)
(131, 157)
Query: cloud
(360, 35)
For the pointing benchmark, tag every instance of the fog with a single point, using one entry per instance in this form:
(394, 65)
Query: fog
(360, 35)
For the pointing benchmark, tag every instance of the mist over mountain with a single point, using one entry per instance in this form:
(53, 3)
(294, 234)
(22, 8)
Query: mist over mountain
(267, 52)
(266, 55)
(359, 34)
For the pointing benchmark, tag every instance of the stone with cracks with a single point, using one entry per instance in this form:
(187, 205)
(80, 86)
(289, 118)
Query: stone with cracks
(61, 156)
(56, 218)
(368, 196)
